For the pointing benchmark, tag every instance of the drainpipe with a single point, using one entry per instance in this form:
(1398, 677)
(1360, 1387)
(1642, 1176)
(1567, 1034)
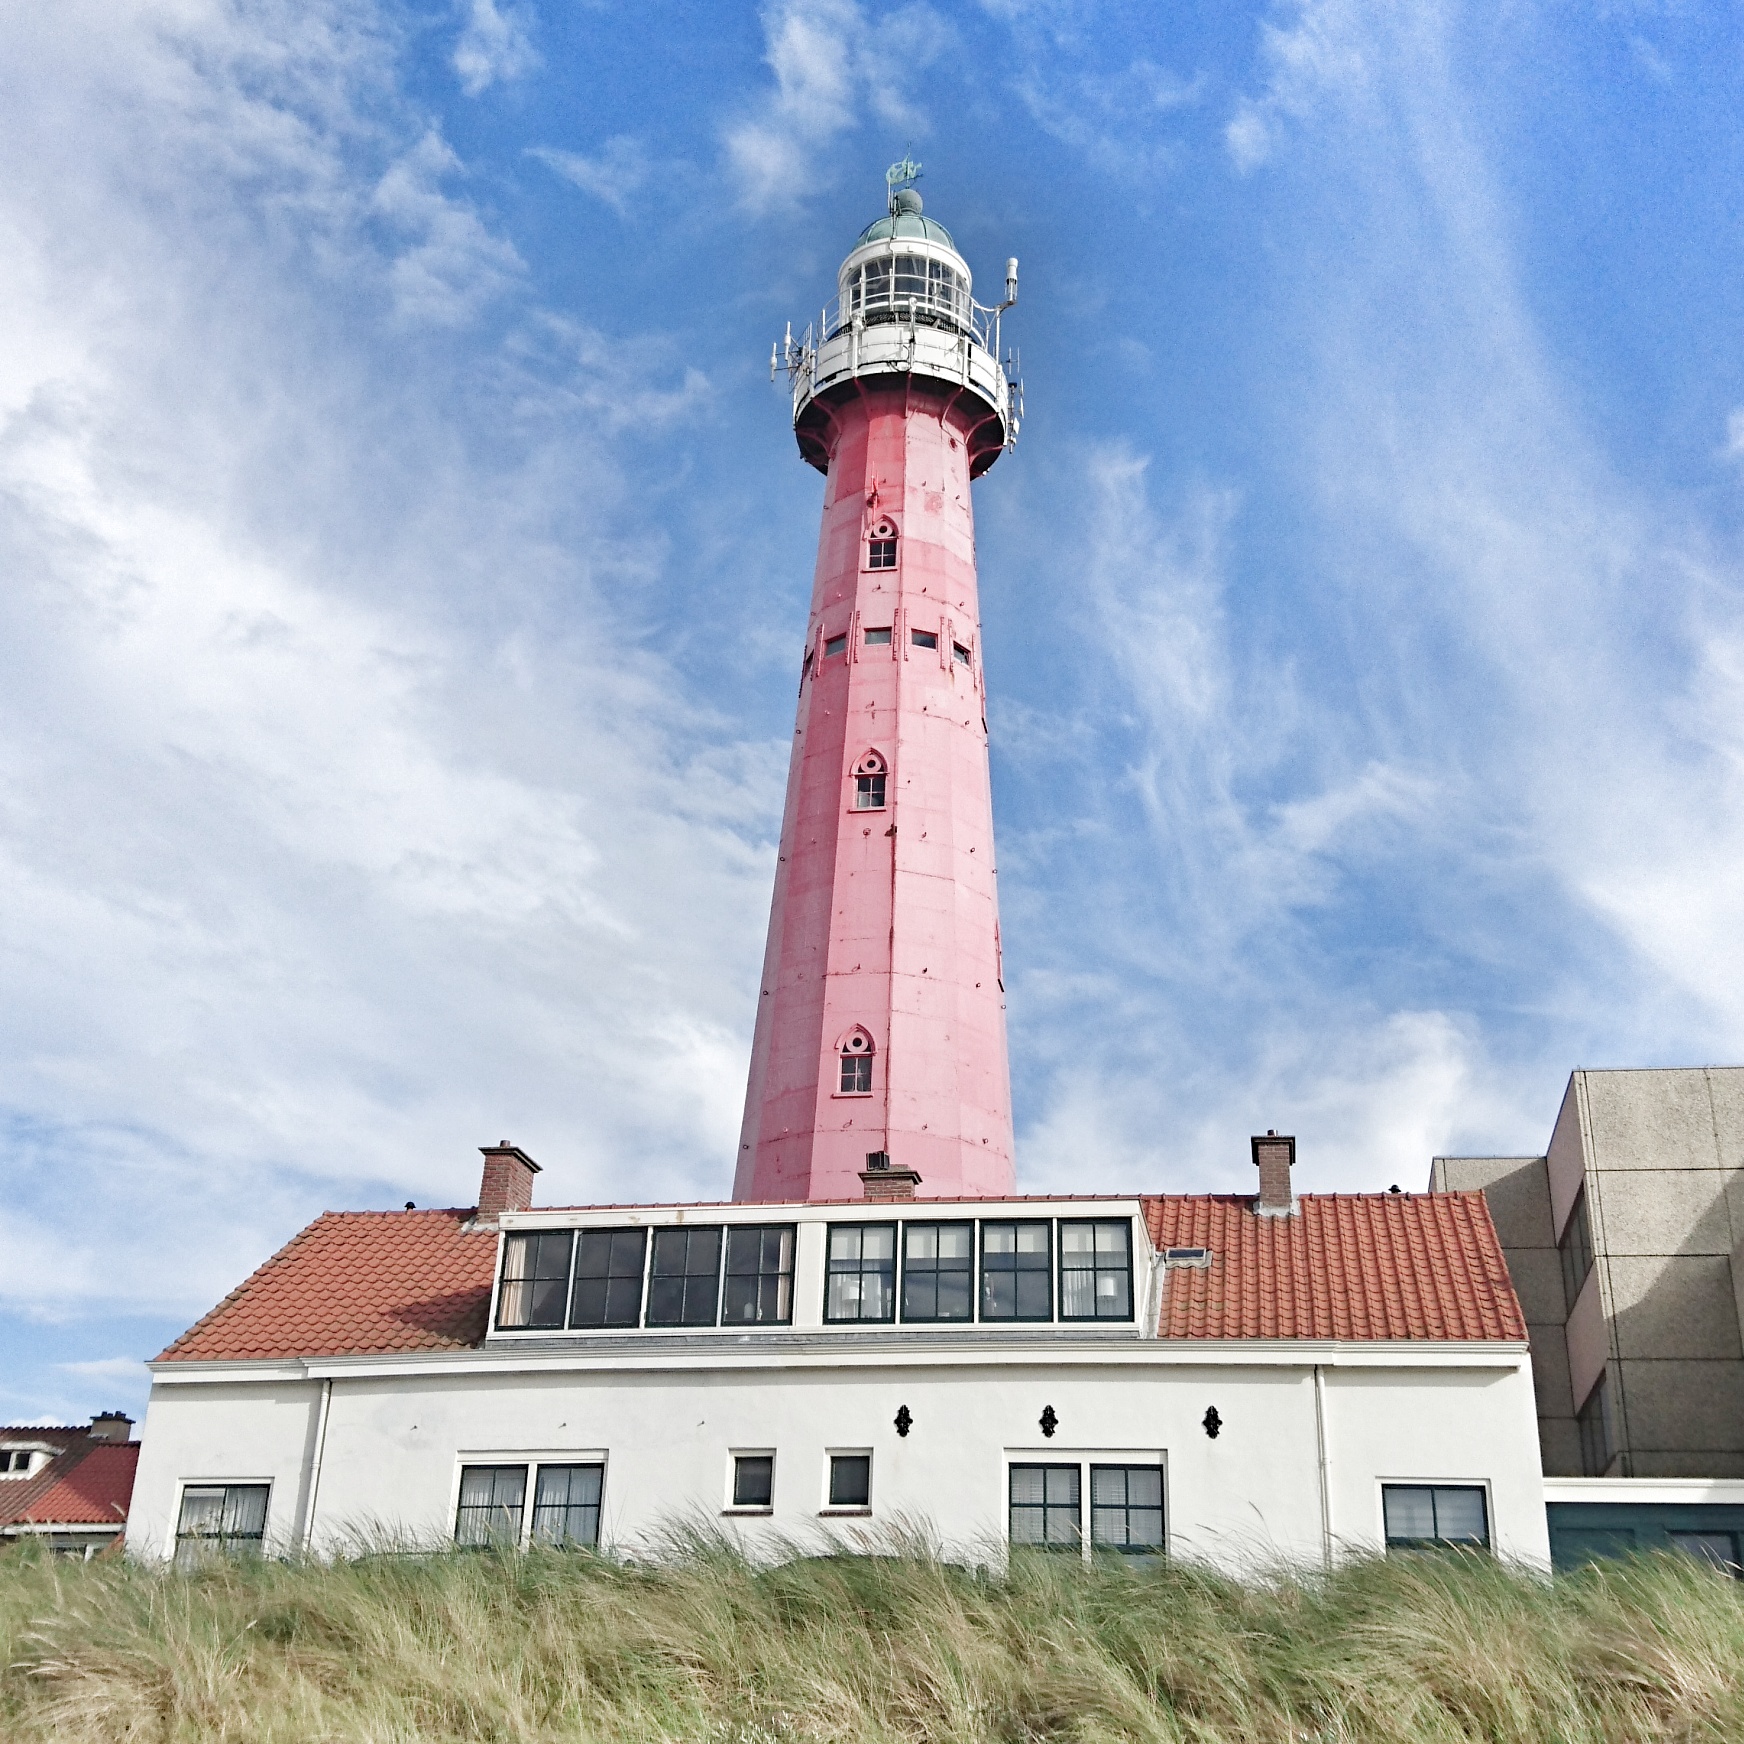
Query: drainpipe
(307, 1535)
(1320, 1448)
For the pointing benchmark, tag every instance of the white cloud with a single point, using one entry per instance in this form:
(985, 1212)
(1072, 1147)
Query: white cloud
(619, 172)
(495, 46)
(345, 822)
(830, 62)
(1316, 56)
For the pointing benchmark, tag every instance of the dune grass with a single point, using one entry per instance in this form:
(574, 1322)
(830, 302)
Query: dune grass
(698, 1643)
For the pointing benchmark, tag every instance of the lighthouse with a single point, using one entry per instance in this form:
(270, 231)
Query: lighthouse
(879, 1065)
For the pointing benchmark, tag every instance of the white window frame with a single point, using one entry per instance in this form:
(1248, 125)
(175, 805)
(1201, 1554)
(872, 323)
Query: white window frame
(829, 1510)
(749, 1510)
(228, 1481)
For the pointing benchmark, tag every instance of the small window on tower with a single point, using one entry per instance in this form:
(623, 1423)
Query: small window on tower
(882, 554)
(923, 638)
(834, 646)
(960, 653)
(878, 638)
(869, 777)
(857, 1064)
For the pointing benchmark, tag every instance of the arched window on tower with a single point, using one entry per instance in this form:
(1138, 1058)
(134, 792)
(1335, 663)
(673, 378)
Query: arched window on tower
(881, 547)
(856, 1054)
(869, 777)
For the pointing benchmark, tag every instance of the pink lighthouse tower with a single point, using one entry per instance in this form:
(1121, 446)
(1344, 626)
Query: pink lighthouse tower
(879, 1065)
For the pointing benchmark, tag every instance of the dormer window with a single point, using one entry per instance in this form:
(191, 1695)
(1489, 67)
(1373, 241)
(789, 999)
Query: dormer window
(869, 779)
(856, 1054)
(881, 547)
(14, 1462)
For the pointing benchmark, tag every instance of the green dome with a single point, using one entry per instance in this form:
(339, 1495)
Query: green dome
(905, 220)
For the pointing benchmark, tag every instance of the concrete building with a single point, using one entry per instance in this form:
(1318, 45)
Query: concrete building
(68, 1488)
(1625, 1241)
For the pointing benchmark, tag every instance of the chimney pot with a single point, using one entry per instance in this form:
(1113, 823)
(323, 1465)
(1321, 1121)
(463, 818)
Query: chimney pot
(507, 1184)
(1275, 1157)
(111, 1426)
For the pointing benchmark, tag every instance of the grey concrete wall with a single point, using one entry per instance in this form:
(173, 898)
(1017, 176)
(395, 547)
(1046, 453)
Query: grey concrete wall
(1517, 1190)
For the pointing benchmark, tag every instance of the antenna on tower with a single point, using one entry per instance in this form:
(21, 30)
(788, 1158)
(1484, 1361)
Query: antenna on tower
(901, 175)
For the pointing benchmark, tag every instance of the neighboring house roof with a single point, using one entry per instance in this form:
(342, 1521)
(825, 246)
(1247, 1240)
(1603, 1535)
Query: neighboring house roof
(357, 1283)
(1347, 1266)
(88, 1483)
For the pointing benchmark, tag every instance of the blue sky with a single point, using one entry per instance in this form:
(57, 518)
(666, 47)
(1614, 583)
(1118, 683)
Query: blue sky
(406, 559)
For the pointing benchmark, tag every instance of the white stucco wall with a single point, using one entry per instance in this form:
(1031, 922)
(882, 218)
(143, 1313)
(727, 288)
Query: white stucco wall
(397, 1432)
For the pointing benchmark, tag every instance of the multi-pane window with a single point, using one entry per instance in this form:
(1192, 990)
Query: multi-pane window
(881, 554)
(850, 1480)
(1126, 1508)
(1016, 1271)
(860, 1276)
(535, 1279)
(14, 1460)
(226, 1518)
(856, 1078)
(608, 1277)
(566, 1504)
(1045, 1506)
(938, 1271)
(1594, 1422)
(1576, 1248)
(754, 1480)
(684, 1280)
(759, 1275)
(1096, 1270)
(869, 791)
(1417, 1515)
(493, 1499)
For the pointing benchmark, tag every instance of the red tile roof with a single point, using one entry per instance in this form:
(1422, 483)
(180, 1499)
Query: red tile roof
(1350, 1266)
(356, 1283)
(1357, 1266)
(88, 1483)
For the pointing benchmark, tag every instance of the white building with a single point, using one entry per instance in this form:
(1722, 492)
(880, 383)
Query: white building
(1219, 1377)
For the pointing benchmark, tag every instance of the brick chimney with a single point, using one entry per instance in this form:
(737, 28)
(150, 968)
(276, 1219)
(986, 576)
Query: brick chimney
(111, 1426)
(879, 1181)
(1275, 1157)
(507, 1183)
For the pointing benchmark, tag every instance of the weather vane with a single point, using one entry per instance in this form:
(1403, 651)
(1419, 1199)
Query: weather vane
(904, 174)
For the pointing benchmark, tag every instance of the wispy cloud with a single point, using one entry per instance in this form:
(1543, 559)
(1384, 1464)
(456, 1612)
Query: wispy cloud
(832, 63)
(616, 174)
(495, 46)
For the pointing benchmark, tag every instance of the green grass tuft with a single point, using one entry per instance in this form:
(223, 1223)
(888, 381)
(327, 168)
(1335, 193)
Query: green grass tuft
(700, 1643)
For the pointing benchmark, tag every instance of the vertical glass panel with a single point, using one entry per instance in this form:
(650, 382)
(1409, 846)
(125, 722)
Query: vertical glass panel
(1126, 1507)
(911, 280)
(608, 1277)
(1045, 1506)
(754, 1480)
(938, 1271)
(566, 1504)
(1096, 1270)
(492, 1498)
(861, 1272)
(535, 1280)
(1460, 1515)
(684, 1278)
(1409, 1512)
(759, 1275)
(1016, 1271)
(850, 1480)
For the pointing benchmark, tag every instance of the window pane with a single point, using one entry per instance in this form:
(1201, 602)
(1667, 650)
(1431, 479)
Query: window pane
(835, 645)
(1016, 1277)
(856, 1074)
(229, 1519)
(938, 1260)
(535, 1280)
(202, 1512)
(1410, 1512)
(683, 1282)
(759, 1275)
(1045, 1505)
(753, 1480)
(1096, 1270)
(491, 1501)
(1459, 1515)
(1126, 1507)
(850, 1480)
(566, 1504)
(861, 1272)
(878, 638)
(923, 638)
(608, 1277)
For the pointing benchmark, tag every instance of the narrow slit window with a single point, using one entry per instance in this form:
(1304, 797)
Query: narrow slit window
(834, 646)
(878, 638)
(923, 638)
(959, 653)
